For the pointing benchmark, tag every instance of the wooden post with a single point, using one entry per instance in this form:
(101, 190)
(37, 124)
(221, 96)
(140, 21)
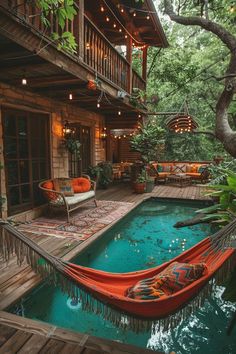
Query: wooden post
(144, 69)
(81, 42)
(129, 59)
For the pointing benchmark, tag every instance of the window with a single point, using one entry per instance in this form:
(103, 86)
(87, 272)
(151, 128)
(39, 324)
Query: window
(26, 155)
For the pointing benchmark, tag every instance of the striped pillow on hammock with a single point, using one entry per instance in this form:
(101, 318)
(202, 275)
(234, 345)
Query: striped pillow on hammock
(175, 277)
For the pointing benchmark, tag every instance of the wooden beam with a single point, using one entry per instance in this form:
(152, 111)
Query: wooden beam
(81, 29)
(144, 64)
(129, 47)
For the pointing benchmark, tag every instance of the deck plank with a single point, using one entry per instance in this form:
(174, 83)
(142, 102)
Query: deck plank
(5, 333)
(15, 342)
(33, 345)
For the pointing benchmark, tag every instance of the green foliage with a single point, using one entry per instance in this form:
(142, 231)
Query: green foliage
(149, 141)
(94, 171)
(105, 174)
(225, 209)
(62, 10)
(142, 178)
(73, 146)
(187, 69)
(219, 173)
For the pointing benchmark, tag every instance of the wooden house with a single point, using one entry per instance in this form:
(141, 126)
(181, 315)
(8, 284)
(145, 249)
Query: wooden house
(44, 89)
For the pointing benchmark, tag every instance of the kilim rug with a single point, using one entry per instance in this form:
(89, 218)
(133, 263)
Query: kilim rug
(85, 222)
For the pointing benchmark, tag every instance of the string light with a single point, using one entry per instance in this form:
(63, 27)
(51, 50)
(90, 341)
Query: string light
(120, 30)
(119, 113)
(126, 36)
(24, 81)
(114, 25)
(98, 105)
(134, 14)
(70, 96)
(102, 9)
(107, 19)
(87, 46)
(148, 17)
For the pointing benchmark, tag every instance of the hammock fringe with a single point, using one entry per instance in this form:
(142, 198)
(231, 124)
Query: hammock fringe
(51, 269)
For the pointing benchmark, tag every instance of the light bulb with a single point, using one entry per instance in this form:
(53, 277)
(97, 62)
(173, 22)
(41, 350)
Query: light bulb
(107, 19)
(119, 113)
(98, 105)
(102, 9)
(114, 25)
(148, 17)
(70, 96)
(24, 81)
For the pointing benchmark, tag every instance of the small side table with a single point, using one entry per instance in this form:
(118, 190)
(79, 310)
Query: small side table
(180, 180)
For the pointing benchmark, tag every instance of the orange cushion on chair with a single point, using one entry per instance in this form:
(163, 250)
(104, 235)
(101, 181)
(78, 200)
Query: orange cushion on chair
(81, 185)
(48, 185)
(49, 195)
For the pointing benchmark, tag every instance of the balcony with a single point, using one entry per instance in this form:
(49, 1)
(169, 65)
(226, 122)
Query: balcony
(93, 49)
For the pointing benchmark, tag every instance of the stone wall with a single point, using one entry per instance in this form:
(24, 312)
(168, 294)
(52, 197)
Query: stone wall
(20, 98)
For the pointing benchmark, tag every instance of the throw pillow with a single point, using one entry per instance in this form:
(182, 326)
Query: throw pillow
(188, 168)
(201, 168)
(178, 275)
(51, 196)
(166, 168)
(147, 289)
(179, 169)
(81, 185)
(175, 277)
(194, 169)
(64, 185)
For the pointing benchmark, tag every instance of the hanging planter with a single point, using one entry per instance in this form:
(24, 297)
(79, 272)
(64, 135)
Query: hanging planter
(73, 146)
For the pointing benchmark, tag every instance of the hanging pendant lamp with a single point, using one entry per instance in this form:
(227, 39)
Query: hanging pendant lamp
(182, 122)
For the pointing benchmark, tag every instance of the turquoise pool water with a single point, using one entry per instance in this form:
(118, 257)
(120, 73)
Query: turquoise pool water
(143, 239)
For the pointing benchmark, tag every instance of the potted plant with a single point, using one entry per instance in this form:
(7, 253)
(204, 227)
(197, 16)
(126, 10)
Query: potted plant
(105, 174)
(150, 182)
(140, 183)
(73, 146)
(149, 142)
(94, 172)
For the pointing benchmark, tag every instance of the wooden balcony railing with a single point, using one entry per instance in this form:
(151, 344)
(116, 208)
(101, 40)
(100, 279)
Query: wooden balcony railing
(103, 57)
(137, 81)
(95, 50)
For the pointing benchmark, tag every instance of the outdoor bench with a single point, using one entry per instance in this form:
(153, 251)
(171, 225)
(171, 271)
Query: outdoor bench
(197, 171)
(68, 194)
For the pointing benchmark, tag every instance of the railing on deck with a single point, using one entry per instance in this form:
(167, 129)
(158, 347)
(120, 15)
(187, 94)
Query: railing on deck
(103, 57)
(98, 53)
(138, 82)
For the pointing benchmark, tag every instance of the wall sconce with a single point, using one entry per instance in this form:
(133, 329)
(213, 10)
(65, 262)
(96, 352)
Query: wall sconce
(103, 134)
(67, 130)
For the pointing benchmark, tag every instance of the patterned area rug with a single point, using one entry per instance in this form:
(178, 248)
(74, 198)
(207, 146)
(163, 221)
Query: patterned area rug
(85, 222)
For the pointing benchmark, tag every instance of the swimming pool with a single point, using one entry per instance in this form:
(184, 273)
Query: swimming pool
(142, 239)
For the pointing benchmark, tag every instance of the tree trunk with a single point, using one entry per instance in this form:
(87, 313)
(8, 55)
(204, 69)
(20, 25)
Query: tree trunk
(223, 131)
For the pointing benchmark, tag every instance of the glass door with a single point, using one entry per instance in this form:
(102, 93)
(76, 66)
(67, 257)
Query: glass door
(26, 157)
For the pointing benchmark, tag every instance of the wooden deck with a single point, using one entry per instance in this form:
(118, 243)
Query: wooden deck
(16, 281)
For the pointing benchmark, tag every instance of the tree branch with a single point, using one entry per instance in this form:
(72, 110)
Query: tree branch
(223, 130)
(227, 38)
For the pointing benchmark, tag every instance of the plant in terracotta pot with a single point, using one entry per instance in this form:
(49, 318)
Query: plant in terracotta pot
(140, 183)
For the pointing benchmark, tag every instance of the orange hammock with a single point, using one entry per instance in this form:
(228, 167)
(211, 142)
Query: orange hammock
(98, 289)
